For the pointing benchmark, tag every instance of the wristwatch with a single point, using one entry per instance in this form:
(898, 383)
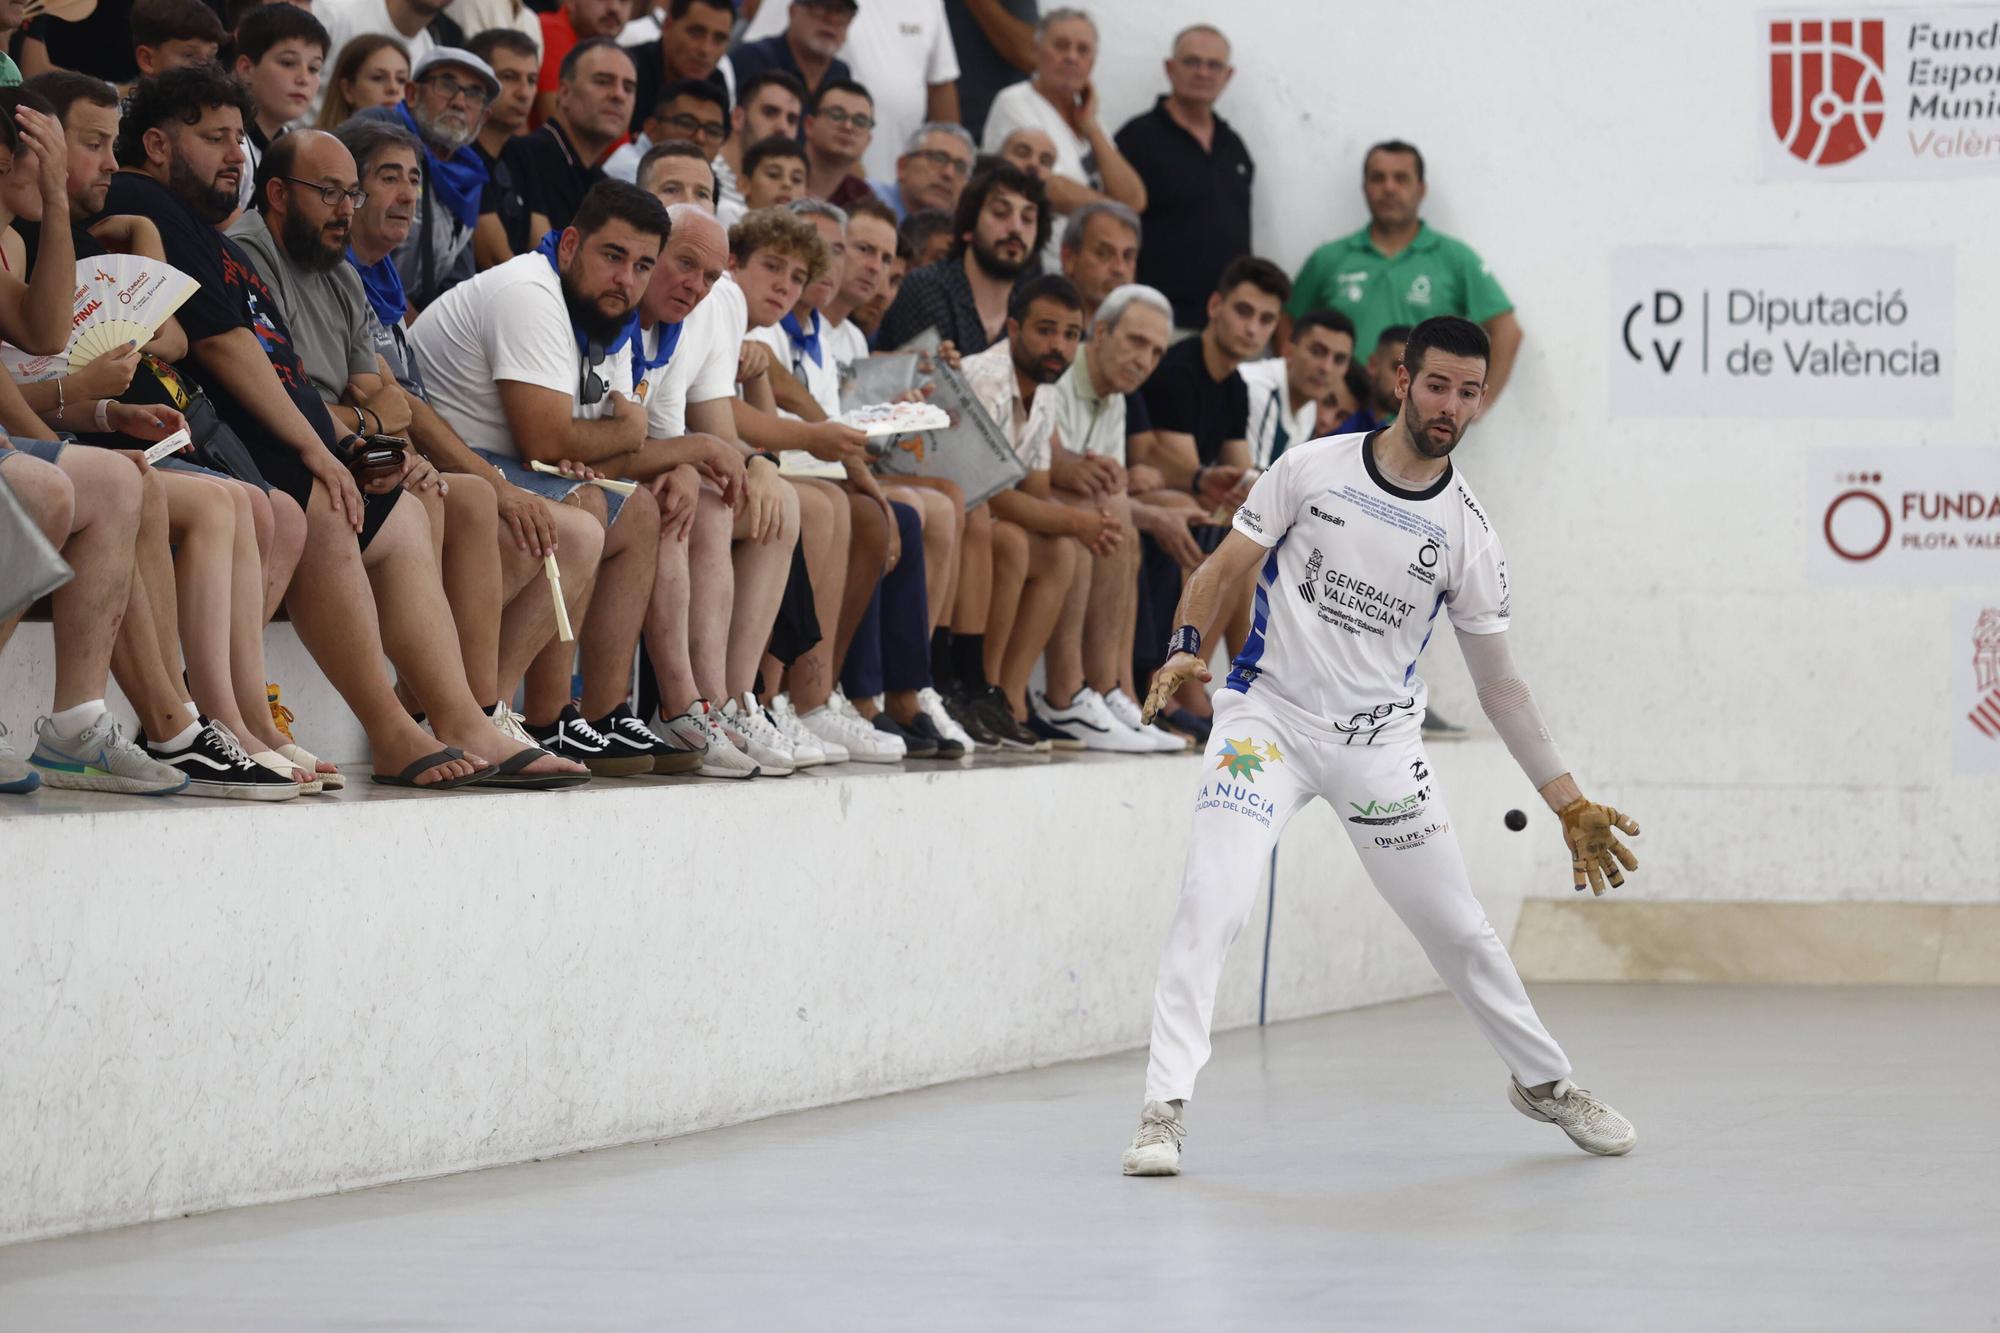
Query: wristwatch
(1186, 639)
(764, 454)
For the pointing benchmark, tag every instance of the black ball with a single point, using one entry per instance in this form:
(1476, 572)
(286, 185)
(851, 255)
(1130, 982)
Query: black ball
(1516, 820)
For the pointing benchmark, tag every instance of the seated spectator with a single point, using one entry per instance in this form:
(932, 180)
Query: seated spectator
(692, 39)
(867, 317)
(678, 172)
(373, 70)
(774, 174)
(1197, 173)
(1001, 225)
(1396, 270)
(838, 126)
(180, 142)
(1378, 406)
(563, 27)
(1061, 101)
(418, 24)
(995, 45)
(932, 171)
(172, 34)
(558, 163)
(279, 50)
(772, 104)
(502, 229)
(808, 49)
(1285, 391)
(443, 106)
(1129, 333)
(552, 330)
(1100, 252)
(927, 236)
(692, 109)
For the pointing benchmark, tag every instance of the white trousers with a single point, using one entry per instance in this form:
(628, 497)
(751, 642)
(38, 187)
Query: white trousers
(1260, 771)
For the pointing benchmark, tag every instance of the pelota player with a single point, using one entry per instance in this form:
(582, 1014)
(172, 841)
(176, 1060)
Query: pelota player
(1362, 540)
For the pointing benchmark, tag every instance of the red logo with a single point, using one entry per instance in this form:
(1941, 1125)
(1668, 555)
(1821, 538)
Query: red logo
(1826, 87)
(1985, 713)
(1862, 532)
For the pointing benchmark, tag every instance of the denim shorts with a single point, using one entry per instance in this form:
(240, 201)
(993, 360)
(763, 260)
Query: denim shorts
(548, 485)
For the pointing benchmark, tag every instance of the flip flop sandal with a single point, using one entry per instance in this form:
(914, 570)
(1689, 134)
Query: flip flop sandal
(510, 776)
(408, 777)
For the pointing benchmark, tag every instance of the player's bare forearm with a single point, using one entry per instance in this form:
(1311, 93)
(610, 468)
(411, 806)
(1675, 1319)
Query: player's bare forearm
(1226, 566)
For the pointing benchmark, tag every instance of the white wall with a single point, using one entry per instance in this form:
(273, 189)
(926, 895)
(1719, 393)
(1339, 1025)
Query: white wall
(1779, 739)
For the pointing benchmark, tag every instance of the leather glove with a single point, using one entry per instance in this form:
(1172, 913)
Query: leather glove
(1594, 849)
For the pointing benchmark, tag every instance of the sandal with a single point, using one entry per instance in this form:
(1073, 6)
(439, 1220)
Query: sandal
(408, 777)
(510, 776)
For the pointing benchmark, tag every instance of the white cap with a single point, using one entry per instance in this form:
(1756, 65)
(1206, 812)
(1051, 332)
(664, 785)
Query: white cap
(457, 55)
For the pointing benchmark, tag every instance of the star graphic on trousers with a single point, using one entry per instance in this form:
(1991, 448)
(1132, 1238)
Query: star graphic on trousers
(1271, 752)
(1242, 759)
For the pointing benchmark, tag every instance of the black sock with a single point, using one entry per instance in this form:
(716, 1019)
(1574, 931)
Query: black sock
(943, 673)
(968, 655)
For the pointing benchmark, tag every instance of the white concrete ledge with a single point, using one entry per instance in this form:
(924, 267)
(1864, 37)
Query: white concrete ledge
(203, 1005)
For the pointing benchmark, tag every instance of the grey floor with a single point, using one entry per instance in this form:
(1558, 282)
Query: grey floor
(1809, 1158)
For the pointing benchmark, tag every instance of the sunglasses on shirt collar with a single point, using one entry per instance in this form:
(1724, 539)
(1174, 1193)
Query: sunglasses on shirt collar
(591, 390)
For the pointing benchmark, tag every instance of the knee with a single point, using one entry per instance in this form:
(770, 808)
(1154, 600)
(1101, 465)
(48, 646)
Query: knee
(579, 537)
(1010, 548)
(288, 521)
(208, 505)
(47, 494)
(590, 500)
(639, 514)
(940, 514)
(791, 516)
(433, 508)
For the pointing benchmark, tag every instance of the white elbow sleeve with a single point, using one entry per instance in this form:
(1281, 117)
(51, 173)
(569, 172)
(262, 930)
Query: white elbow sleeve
(1510, 707)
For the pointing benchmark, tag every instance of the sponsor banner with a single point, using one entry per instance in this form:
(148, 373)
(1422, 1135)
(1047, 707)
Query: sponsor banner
(1975, 685)
(1893, 94)
(1782, 331)
(1903, 514)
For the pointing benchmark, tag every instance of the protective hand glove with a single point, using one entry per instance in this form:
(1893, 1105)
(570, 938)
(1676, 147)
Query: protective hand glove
(1594, 848)
(1177, 671)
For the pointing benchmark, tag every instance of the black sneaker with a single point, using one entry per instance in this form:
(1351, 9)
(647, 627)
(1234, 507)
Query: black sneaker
(629, 736)
(968, 716)
(216, 766)
(916, 745)
(924, 735)
(1189, 724)
(999, 717)
(570, 737)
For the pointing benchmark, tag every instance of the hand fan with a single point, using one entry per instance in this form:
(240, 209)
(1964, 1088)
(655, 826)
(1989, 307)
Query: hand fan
(121, 299)
(901, 418)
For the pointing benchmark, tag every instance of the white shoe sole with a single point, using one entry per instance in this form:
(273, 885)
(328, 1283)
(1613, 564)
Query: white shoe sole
(108, 784)
(1160, 1161)
(248, 791)
(708, 772)
(1527, 1108)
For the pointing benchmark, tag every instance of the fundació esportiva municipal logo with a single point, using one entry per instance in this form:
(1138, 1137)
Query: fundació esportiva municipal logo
(1827, 95)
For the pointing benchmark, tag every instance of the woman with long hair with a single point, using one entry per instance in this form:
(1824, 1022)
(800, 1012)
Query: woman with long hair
(372, 70)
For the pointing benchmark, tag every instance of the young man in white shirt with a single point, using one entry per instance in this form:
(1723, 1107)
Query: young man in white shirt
(1359, 542)
(1286, 391)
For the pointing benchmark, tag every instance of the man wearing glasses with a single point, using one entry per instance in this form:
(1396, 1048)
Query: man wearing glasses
(444, 105)
(838, 127)
(931, 173)
(692, 110)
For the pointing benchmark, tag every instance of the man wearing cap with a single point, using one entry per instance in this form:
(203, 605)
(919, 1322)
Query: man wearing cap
(444, 105)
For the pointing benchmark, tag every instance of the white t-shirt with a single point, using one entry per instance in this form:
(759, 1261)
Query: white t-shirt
(703, 368)
(1359, 568)
(822, 381)
(896, 50)
(476, 16)
(508, 323)
(847, 343)
(1270, 410)
(344, 20)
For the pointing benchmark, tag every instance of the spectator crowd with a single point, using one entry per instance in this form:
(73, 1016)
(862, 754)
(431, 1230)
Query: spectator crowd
(513, 377)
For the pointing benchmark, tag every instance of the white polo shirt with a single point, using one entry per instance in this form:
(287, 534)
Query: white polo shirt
(1359, 568)
(508, 323)
(1085, 423)
(1270, 411)
(703, 367)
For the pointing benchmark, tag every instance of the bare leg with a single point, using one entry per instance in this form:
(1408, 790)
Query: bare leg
(145, 657)
(759, 571)
(609, 636)
(1051, 565)
(473, 582)
(548, 675)
(810, 680)
(942, 506)
(89, 608)
(1065, 650)
(246, 621)
(1008, 544)
(288, 544)
(528, 625)
(1114, 602)
(46, 494)
(203, 518)
(973, 589)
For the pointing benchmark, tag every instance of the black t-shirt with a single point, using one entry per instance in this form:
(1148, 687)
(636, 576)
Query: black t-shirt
(99, 45)
(502, 198)
(551, 177)
(1182, 396)
(231, 296)
(981, 71)
(1197, 207)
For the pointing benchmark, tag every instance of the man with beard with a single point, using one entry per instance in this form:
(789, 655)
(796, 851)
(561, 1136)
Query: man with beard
(531, 362)
(493, 535)
(1002, 223)
(1286, 391)
(1359, 540)
(444, 106)
(181, 144)
(559, 162)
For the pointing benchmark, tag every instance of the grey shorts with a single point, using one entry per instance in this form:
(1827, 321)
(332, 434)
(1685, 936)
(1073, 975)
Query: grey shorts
(46, 450)
(547, 485)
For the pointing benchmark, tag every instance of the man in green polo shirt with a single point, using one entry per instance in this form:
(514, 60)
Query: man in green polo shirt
(1396, 270)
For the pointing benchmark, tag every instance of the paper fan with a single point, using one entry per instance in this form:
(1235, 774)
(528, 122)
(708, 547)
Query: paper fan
(121, 299)
(896, 418)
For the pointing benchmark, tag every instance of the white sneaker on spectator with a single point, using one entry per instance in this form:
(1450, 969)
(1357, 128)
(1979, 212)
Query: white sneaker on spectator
(511, 724)
(845, 706)
(744, 722)
(1126, 710)
(836, 721)
(697, 729)
(931, 704)
(16, 777)
(1087, 718)
(100, 758)
(808, 750)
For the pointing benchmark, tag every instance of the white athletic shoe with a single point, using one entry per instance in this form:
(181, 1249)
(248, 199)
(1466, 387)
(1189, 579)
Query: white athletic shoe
(836, 721)
(1125, 709)
(697, 729)
(101, 758)
(1156, 1148)
(1591, 1125)
(931, 704)
(808, 750)
(1089, 720)
(511, 724)
(744, 722)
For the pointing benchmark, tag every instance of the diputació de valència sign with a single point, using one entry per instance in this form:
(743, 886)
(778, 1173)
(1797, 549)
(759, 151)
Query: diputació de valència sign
(1828, 332)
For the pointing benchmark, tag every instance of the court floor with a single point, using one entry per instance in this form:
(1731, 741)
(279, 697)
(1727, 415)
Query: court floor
(1808, 1158)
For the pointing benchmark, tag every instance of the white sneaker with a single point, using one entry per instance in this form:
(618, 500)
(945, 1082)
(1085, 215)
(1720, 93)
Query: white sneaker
(1591, 1125)
(756, 736)
(100, 758)
(511, 724)
(1125, 709)
(697, 729)
(808, 750)
(1089, 720)
(845, 706)
(836, 721)
(1156, 1148)
(931, 704)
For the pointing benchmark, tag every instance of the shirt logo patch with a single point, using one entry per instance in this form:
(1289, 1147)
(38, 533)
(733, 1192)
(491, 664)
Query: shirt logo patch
(1420, 290)
(1322, 515)
(1424, 567)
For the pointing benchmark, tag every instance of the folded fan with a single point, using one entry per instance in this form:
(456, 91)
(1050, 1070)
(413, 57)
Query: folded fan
(901, 418)
(119, 299)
